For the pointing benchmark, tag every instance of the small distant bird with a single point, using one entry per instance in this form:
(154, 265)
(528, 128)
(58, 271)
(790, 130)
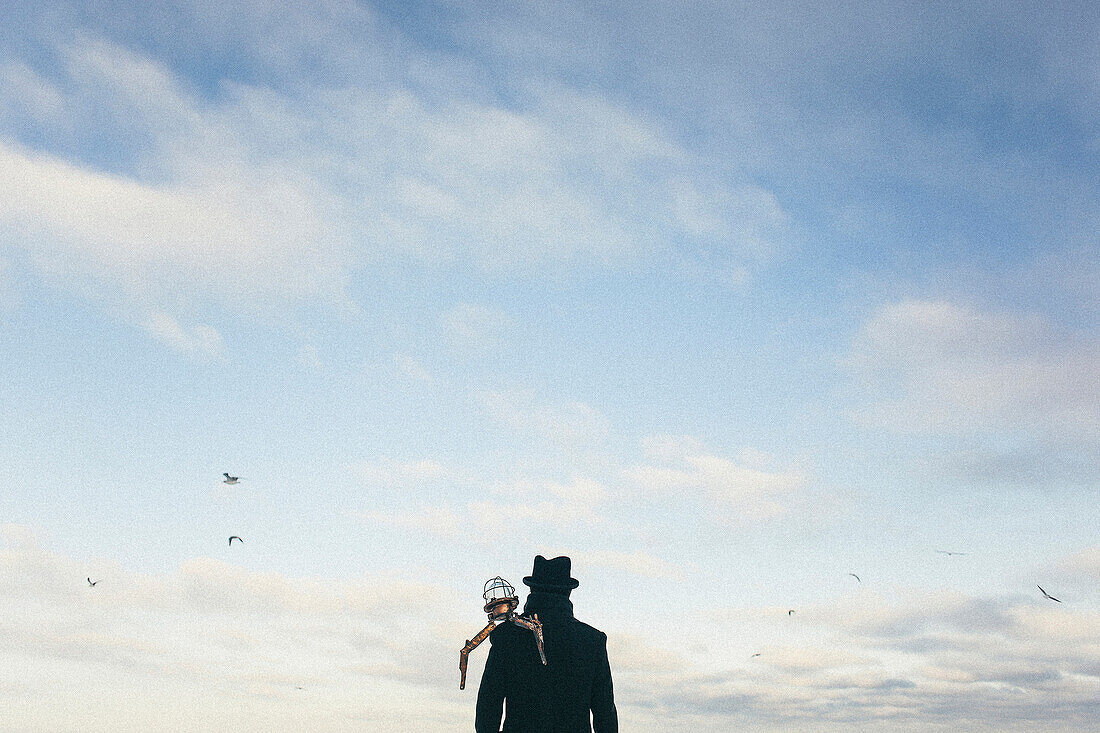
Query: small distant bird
(1047, 595)
(234, 537)
(855, 576)
(755, 655)
(790, 612)
(91, 584)
(231, 479)
(949, 552)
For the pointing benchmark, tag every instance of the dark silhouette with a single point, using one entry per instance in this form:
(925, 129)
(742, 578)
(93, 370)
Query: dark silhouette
(1047, 595)
(574, 683)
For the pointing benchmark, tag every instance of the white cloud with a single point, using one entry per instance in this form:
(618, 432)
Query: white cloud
(474, 326)
(1084, 562)
(578, 491)
(309, 357)
(748, 220)
(528, 507)
(9, 296)
(412, 368)
(438, 521)
(480, 521)
(936, 366)
(563, 516)
(234, 643)
(200, 206)
(897, 660)
(568, 422)
(731, 488)
(259, 196)
(201, 341)
(29, 92)
(912, 661)
(804, 659)
(229, 237)
(641, 564)
(670, 447)
(607, 500)
(18, 536)
(387, 473)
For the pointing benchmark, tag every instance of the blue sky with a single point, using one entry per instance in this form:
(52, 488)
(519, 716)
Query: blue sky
(724, 301)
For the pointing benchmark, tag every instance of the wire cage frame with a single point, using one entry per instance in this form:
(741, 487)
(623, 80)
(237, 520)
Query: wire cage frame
(498, 589)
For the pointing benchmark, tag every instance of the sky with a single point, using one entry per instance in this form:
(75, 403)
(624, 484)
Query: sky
(723, 300)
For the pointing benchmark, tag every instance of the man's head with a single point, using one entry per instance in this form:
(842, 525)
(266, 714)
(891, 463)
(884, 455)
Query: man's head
(551, 576)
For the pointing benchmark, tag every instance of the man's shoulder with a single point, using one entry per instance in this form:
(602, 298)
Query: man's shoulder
(507, 633)
(590, 632)
(500, 633)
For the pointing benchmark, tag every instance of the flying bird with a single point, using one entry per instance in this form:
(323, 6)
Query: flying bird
(91, 584)
(1047, 595)
(949, 552)
(234, 537)
(855, 576)
(755, 655)
(230, 479)
(790, 612)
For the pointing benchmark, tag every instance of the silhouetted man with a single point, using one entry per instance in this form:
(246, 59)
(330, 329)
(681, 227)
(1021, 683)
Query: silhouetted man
(576, 680)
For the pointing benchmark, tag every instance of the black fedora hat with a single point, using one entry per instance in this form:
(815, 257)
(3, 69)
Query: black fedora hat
(551, 574)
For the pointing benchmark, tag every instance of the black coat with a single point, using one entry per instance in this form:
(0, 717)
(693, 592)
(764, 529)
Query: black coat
(557, 697)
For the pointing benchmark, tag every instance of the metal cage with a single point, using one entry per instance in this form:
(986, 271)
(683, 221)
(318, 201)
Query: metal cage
(498, 589)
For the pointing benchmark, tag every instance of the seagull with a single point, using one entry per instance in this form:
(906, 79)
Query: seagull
(1047, 595)
(755, 655)
(234, 537)
(91, 584)
(790, 612)
(855, 576)
(949, 552)
(230, 479)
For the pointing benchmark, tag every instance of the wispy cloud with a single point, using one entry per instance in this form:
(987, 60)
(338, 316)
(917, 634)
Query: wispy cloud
(202, 625)
(734, 489)
(937, 366)
(386, 473)
(912, 662)
(561, 422)
(472, 326)
(30, 94)
(201, 341)
(1085, 562)
(526, 508)
(641, 564)
(411, 368)
(437, 521)
(9, 296)
(260, 195)
(196, 213)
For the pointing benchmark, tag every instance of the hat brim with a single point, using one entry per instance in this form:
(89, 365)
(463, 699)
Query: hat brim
(530, 582)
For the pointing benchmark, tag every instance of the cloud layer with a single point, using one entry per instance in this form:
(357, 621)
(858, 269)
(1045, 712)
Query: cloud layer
(260, 195)
(262, 650)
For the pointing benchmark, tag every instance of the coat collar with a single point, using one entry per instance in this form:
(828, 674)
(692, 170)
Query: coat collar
(548, 604)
